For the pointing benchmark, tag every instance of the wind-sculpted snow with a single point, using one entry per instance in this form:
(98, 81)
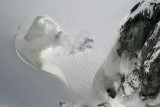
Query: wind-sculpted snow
(47, 48)
(78, 19)
(126, 75)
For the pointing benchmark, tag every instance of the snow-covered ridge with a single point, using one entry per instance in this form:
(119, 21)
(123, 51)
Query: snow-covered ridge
(146, 8)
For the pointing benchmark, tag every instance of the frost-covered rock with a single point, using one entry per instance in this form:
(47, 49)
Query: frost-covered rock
(140, 40)
(135, 58)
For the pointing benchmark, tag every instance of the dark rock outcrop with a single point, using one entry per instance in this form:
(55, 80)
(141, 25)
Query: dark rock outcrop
(140, 39)
(111, 92)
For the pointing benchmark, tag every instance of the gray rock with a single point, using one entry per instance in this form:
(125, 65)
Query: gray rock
(140, 39)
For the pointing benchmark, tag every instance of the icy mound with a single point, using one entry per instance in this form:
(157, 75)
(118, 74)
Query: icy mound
(46, 47)
(42, 35)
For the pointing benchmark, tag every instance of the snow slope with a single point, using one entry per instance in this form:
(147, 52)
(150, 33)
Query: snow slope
(98, 19)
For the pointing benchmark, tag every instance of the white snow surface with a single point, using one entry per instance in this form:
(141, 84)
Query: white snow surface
(145, 5)
(77, 19)
(46, 47)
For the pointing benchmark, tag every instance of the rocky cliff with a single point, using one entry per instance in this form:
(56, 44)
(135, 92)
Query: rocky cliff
(140, 39)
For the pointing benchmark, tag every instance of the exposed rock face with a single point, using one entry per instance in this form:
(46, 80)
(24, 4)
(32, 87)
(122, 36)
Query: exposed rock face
(140, 40)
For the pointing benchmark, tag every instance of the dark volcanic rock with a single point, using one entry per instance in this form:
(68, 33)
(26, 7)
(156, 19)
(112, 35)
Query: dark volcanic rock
(140, 39)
